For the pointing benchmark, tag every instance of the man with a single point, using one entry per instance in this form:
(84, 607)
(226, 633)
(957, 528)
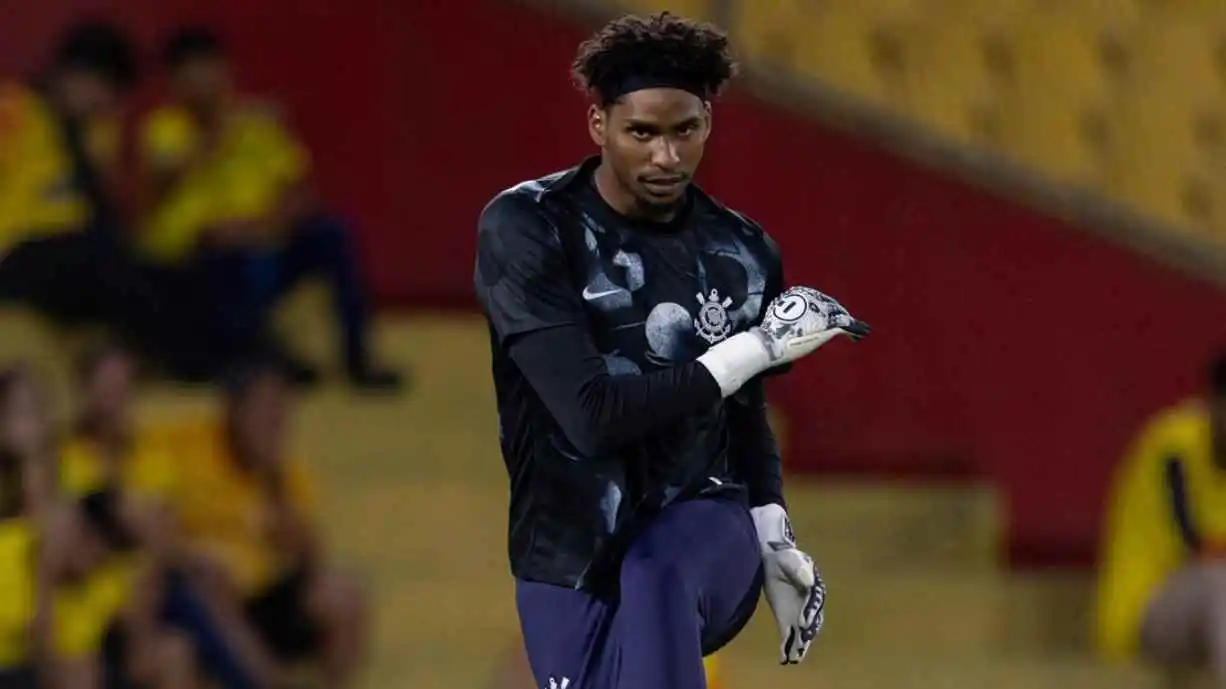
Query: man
(622, 304)
(61, 246)
(65, 580)
(109, 456)
(1162, 586)
(249, 519)
(228, 189)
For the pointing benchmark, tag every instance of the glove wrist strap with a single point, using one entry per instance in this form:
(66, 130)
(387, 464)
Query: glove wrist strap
(735, 360)
(773, 527)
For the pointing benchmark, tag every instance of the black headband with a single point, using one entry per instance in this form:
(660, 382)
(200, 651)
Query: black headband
(638, 83)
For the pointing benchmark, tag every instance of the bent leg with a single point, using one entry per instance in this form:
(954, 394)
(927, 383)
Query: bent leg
(688, 584)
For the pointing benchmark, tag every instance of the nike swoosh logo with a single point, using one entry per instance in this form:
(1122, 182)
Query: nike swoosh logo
(589, 295)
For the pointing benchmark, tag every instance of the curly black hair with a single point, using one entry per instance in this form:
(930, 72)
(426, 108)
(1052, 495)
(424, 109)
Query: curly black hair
(661, 47)
(186, 43)
(100, 48)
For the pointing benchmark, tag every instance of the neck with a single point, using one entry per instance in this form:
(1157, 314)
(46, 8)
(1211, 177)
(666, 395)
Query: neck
(624, 202)
(111, 434)
(60, 102)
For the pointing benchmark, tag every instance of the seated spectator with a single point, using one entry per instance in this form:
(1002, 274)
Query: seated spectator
(108, 454)
(61, 241)
(65, 575)
(249, 517)
(1162, 587)
(229, 200)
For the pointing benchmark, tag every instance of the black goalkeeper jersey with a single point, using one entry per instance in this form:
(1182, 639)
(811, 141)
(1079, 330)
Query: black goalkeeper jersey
(595, 322)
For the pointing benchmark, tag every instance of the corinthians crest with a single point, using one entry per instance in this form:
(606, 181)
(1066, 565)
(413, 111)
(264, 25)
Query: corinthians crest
(712, 323)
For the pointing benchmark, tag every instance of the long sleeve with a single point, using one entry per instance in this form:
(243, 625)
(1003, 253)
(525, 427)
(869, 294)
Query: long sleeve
(524, 284)
(597, 411)
(753, 448)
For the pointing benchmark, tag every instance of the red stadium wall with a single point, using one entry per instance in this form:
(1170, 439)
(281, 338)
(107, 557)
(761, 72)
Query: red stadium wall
(1006, 345)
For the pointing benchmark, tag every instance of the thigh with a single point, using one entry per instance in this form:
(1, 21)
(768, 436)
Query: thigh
(1174, 628)
(566, 635)
(709, 546)
(47, 273)
(315, 245)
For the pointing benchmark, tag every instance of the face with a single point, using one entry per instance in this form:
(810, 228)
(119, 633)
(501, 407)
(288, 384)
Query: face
(202, 82)
(109, 392)
(85, 95)
(653, 141)
(89, 550)
(24, 426)
(261, 420)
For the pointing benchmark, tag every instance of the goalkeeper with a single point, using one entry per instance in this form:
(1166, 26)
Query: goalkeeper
(632, 317)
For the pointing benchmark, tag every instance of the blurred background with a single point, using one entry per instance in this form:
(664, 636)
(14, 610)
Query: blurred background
(1024, 197)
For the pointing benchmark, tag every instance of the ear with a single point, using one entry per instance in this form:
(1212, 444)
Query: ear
(597, 124)
(706, 108)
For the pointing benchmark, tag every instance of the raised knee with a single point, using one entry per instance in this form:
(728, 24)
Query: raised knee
(175, 651)
(1212, 577)
(340, 596)
(645, 574)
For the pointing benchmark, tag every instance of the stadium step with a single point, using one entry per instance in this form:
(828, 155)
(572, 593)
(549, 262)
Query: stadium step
(876, 526)
(951, 613)
(869, 669)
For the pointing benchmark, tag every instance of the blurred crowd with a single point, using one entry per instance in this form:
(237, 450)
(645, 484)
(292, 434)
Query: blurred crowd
(180, 234)
(164, 556)
(183, 554)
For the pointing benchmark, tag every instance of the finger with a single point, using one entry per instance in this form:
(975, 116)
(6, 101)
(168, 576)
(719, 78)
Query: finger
(802, 652)
(797, 650)
(786, 650)
(801, 574)
(858, 330)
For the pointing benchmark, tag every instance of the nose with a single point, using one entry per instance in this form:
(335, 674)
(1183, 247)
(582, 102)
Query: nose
(664, 154)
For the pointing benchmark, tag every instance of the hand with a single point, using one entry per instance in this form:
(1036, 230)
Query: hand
(801, 320)
(796, 324)
(794, 589)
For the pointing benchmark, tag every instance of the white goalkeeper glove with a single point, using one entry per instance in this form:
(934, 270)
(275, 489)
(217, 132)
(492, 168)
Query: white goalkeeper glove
(797, 323)
(793, 586)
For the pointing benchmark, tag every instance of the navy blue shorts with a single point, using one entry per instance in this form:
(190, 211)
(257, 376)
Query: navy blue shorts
(689, 584)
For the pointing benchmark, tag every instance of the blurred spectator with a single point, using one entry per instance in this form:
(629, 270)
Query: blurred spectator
(107, 454)
(18, 559)
(249, 517)
(60, 227)
(1162, 591)
(65, 581)
(229, 201)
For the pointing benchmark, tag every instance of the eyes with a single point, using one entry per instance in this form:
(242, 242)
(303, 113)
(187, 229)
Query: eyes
(645, 133)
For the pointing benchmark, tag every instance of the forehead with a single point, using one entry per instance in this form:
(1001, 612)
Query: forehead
(661, 106)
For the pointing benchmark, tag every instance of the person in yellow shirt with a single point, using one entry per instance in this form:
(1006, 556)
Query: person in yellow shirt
(249, 517)
(60, 587)
(1162, 581)
(63, 249)
(227, 191)
(109, 454)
